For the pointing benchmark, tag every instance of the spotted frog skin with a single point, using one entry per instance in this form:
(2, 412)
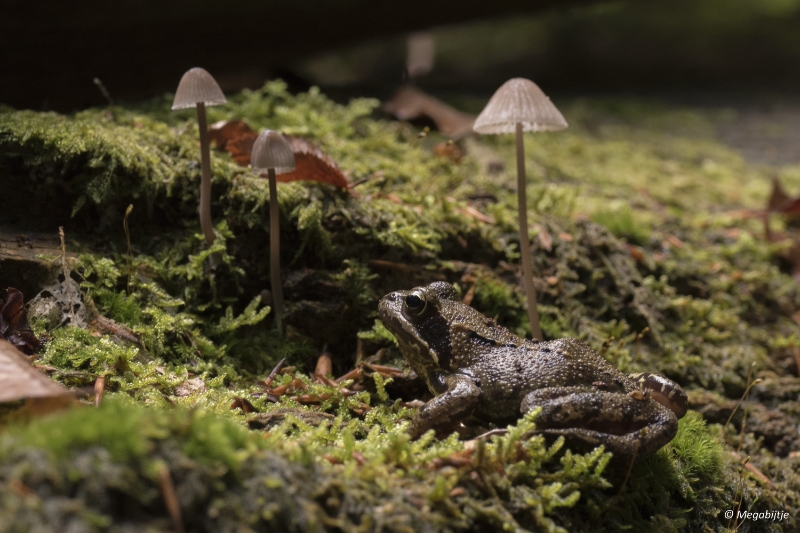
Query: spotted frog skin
(476, 368)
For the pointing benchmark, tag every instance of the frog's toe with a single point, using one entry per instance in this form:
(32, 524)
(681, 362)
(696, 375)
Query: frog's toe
(625, 448)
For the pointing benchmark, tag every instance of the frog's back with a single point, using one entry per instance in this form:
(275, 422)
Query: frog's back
(513, 371)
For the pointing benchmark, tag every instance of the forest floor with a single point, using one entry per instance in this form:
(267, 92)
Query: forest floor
(649, 244)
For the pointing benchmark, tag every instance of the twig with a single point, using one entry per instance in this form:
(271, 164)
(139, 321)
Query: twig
(128, 237)
(65, 270)
(170, 498)
(99, 387)
(630, 467)
(744, 396)
(271, 376)
(752, 469)
(104, 91)
(490, 433)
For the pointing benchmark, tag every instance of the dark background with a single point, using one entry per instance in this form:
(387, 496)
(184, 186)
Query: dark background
(50, 51)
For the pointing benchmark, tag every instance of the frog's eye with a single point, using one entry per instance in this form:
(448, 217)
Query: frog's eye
(416, 303)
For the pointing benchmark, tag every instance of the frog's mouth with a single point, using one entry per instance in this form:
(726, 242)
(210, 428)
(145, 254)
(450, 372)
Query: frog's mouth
(390, 309)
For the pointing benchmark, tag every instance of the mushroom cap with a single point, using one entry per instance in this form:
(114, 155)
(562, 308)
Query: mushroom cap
(272, 150)
(196, 86)
(519, 101)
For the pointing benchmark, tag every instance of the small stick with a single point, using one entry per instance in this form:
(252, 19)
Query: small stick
(128, 237)
(750, 385)
(65, 270)
(170, 498)
(796, 353)
(104, 91)
(630, 467)
(99, 387)
(271, 376)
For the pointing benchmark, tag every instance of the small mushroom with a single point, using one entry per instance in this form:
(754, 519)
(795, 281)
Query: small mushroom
(520, 105)
(272, 153)
(198, 88)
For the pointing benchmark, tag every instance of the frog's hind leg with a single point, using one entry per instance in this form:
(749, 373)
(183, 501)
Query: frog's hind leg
(627, 426)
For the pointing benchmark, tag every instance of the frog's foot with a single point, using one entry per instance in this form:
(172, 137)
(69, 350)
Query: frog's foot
(663, 390)
(446, 410)
(628, 427)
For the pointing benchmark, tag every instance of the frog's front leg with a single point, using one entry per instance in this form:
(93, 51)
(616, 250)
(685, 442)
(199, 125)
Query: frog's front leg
(628, 427)
(457, 403)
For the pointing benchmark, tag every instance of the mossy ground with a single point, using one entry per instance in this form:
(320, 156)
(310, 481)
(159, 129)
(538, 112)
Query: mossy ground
(642, 248)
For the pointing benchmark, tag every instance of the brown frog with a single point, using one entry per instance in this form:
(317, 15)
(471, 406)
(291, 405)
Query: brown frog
(476, 368)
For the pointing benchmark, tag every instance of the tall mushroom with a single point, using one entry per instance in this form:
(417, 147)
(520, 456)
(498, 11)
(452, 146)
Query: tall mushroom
(198, 88)
(272, 153)
(520, 105)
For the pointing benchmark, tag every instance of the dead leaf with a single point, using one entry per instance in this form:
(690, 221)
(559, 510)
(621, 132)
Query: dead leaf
(99, 387)
(636, 253)
(674, 241)
(14, 326)
(235, 137)
(312, 164)
(324, 365)
(20, 380)
(545, 238)
(778, 197)
(449, 150)
(470, 294)
(189, 387)
(410, 103)
(243, 404)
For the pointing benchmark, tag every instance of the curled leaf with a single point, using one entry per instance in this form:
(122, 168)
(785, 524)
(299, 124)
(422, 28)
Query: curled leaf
(20, 380)
(311, 163)
(235, 137)
(409, 103)
(14, 326)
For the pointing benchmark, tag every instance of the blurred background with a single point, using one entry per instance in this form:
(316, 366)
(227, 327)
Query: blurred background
(52, 50)
(701, 52)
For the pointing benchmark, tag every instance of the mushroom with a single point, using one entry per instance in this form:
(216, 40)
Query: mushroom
(198, 88)
(520, 105)
(272, 153)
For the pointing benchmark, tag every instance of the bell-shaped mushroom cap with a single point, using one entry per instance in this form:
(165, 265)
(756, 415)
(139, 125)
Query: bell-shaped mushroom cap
(196, 86)
(272, 150)
(519, 101)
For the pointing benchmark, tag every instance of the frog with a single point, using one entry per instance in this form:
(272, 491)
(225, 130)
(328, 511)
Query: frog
(478, 370)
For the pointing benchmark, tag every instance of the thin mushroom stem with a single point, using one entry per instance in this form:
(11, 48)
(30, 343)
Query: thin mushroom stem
(275, 250)
(205, 183)
(524, 241)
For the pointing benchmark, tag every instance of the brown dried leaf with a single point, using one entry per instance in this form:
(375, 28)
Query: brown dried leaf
(235, 137)
(312, 164)
(14, 326)
(19, 379)
(189, 387)
(410, 103)
(778, 198)
(449, 150)
(545, 239)
(780, 202)
(324, 364)
(243, 404)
